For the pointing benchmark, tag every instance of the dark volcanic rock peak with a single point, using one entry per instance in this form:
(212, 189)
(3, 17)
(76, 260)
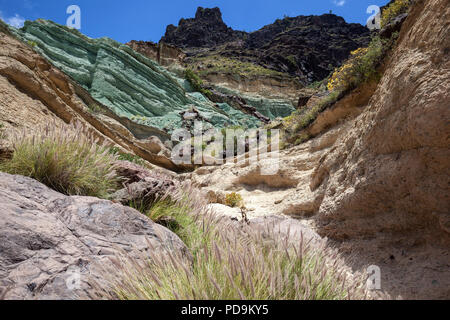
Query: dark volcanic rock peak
(207, 14)
(206, 30)
(309, 47)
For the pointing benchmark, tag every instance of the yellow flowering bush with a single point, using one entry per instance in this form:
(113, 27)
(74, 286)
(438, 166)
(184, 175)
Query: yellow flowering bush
(396, 8)
(233, 200)
(361, 66)
(345, 75)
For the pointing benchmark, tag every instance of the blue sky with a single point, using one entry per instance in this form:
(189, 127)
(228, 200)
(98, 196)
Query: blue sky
(147, 19)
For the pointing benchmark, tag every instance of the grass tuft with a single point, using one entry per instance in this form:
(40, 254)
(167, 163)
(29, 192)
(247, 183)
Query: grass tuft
(66, 158)
(230, 262)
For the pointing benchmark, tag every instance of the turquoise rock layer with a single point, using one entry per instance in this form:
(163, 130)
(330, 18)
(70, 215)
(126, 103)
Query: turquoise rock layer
(125, 81)
(271, 108)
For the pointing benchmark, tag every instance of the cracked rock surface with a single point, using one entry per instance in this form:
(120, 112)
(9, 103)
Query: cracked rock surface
(52, 246)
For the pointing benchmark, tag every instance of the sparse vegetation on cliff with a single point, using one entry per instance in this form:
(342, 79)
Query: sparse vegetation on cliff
(65, 158)
(196, 82)
(217, 64)
(363, 66)
(303, 117)
(393, 10)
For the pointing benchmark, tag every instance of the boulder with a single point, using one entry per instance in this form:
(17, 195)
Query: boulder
(144, 192)
(54, 246)
(131, 172)
(394, 26)
(304, 96)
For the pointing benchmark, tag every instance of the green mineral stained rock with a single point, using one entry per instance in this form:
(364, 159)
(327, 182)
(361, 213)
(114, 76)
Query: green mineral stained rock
(271, 108)
(125, 81)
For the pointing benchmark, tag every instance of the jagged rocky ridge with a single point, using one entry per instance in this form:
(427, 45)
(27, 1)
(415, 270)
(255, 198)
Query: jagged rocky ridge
(308, 47)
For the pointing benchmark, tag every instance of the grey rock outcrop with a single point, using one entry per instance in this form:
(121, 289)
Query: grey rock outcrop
(54, 246)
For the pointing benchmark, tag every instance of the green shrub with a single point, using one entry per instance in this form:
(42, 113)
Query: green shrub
(393, 10)
(95, 109)
(196, 82)
(64, 157)
(115, 151)
(32, 44)
(292, 61)
(233, 199)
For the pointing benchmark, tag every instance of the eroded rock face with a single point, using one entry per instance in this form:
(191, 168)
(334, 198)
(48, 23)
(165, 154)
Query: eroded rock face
(395, 160)
(376, 184)
(387, 180)
(164, 54)
(47, 239)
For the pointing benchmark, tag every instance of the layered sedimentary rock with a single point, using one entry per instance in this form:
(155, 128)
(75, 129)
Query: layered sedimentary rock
(271, 96)
(126, 82)
(33, 93)
(386, 183)
(164, 54)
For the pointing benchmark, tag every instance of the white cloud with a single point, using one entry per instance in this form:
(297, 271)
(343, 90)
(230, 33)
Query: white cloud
(15, 21)
(339, 3)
